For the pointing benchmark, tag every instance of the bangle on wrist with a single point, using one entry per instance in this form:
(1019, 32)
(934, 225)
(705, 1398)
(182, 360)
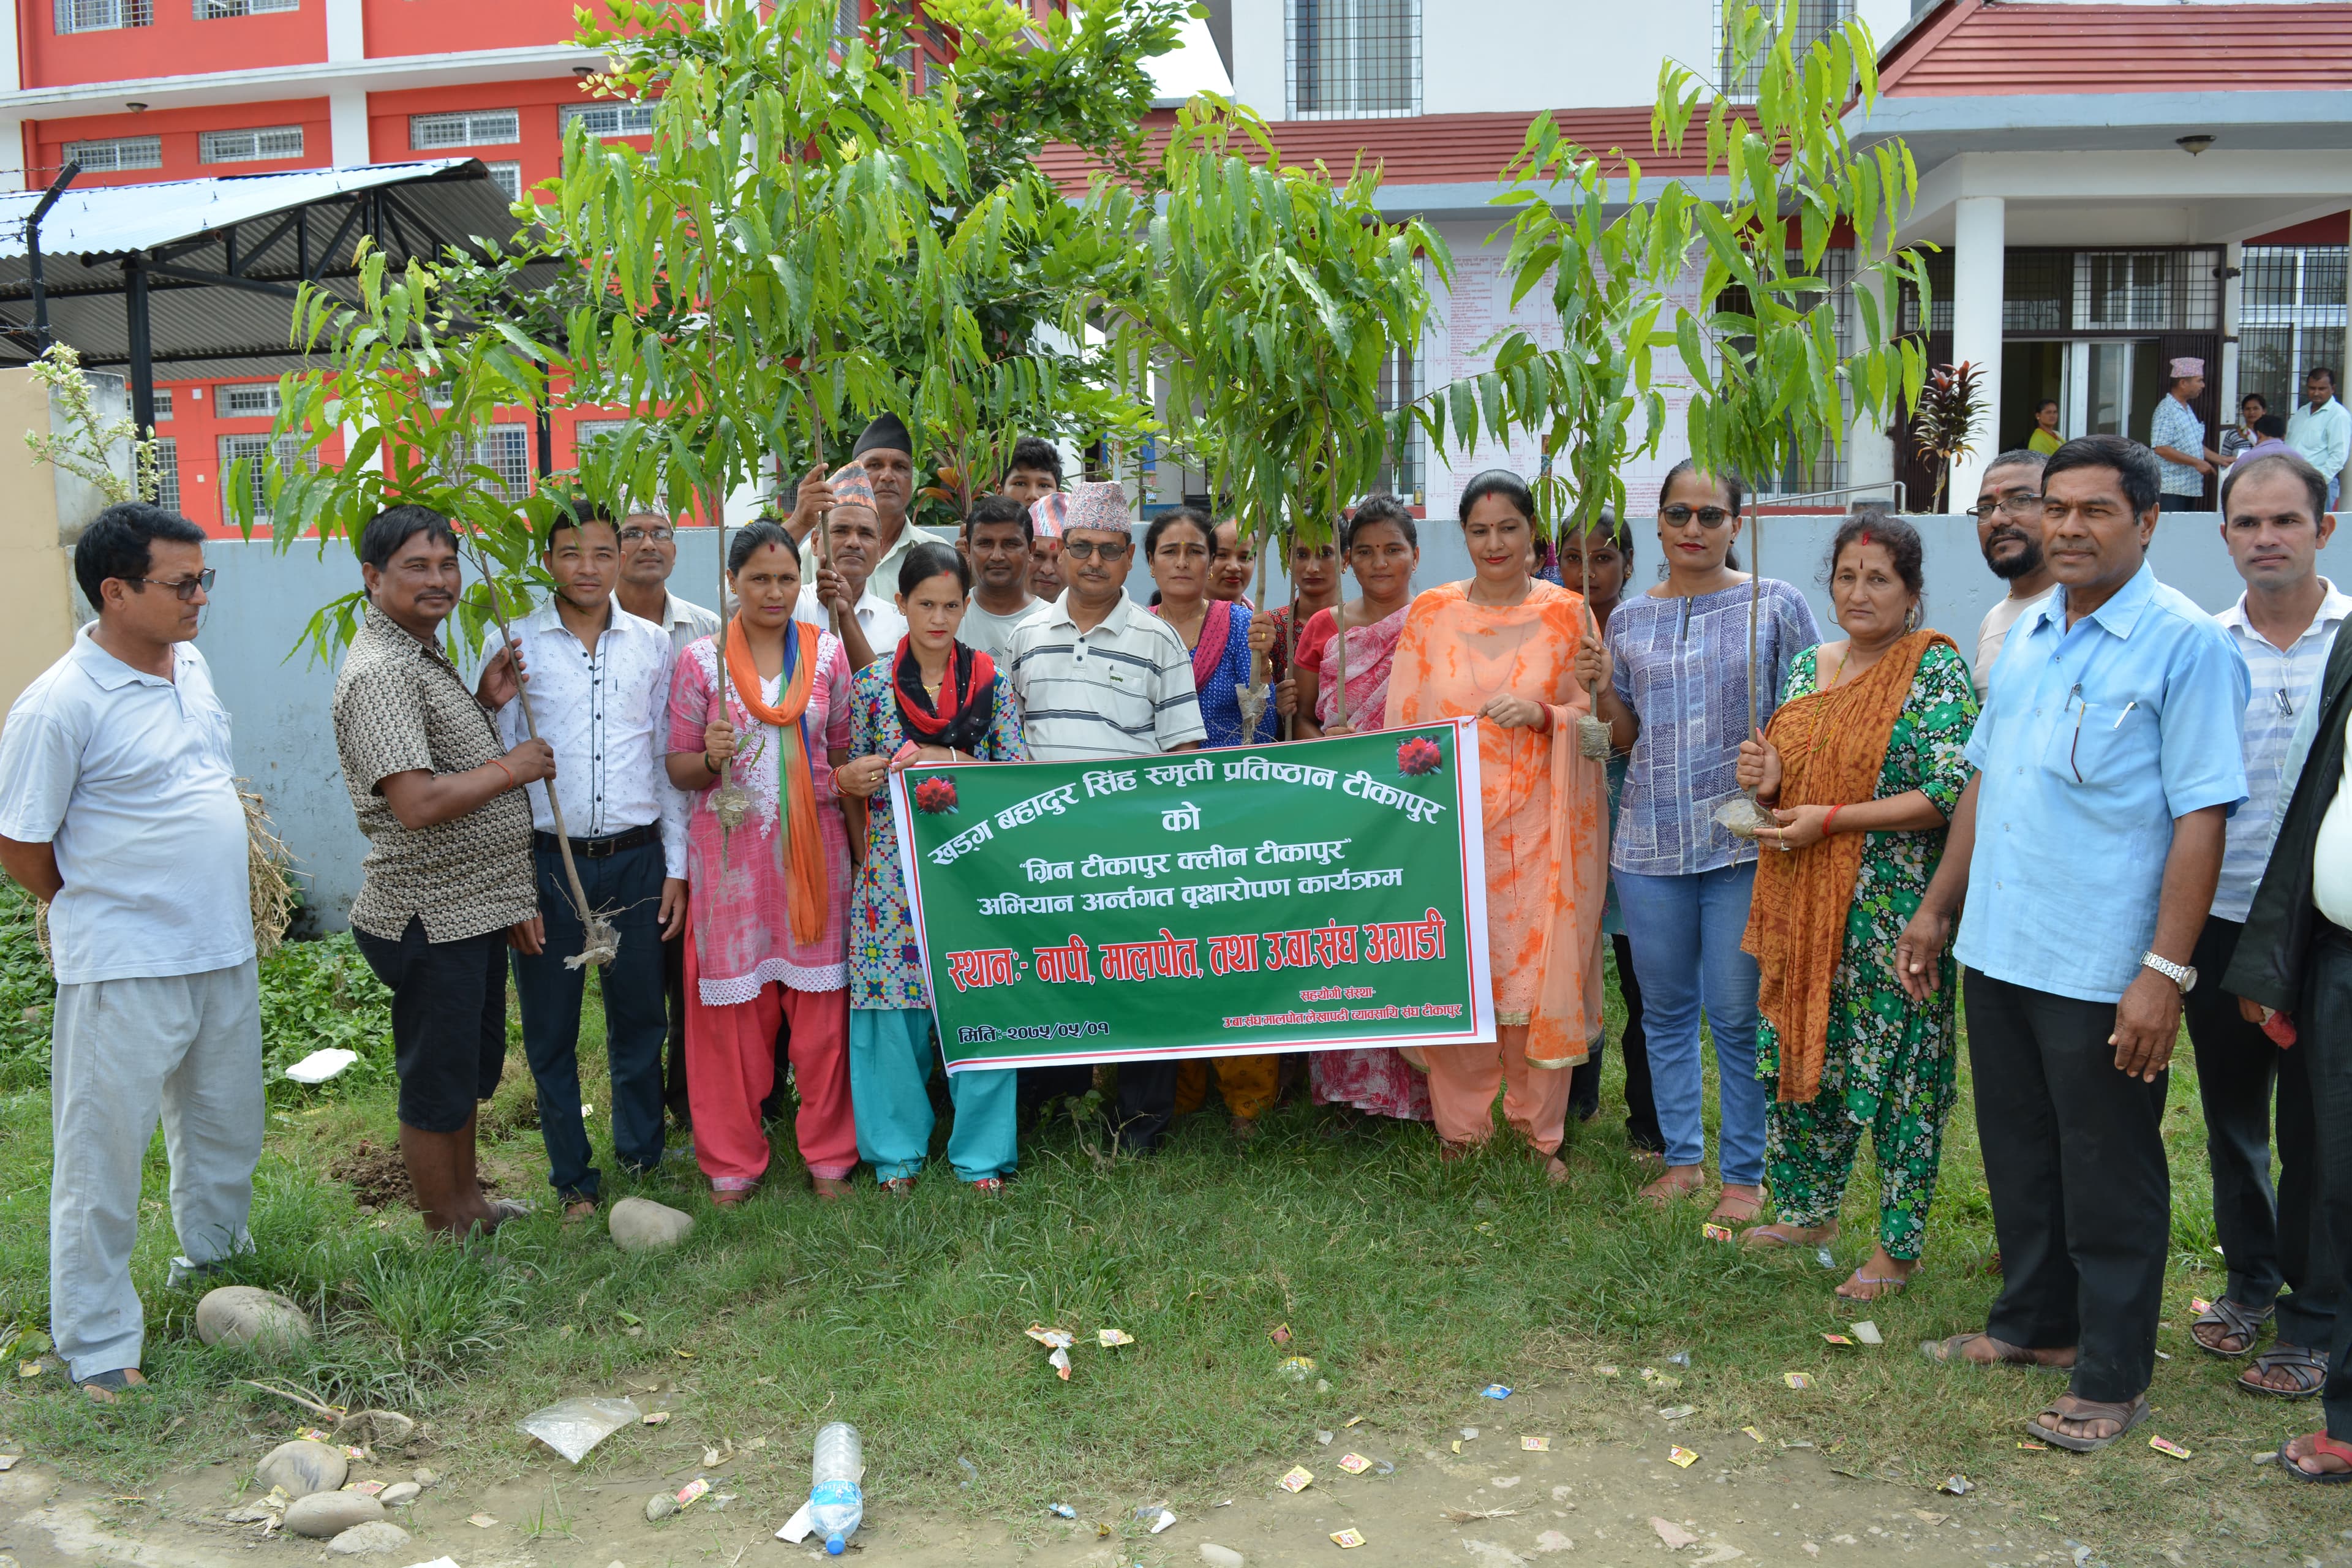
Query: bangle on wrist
(708, 765)
(500, 763)
(1826, 828)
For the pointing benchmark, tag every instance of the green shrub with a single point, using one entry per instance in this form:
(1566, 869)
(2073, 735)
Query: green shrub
(27, 994)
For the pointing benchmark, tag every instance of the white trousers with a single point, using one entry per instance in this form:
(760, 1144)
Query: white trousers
(186, 1048)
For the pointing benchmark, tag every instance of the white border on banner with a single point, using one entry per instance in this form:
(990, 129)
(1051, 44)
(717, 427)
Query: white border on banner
(1469, 813)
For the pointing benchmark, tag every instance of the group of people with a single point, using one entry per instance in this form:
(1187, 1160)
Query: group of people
(2319, 428)
(2125, 812)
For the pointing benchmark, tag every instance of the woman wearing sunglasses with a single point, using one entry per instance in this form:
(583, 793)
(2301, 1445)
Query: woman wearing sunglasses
(1672, 678)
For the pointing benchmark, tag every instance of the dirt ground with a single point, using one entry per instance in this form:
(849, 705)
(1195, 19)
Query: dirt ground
(1495, 1504)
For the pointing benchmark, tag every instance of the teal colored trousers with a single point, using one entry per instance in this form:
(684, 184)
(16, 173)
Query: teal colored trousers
(890, 1059)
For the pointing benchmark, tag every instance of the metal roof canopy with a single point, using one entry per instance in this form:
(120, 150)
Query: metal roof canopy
(201, 275)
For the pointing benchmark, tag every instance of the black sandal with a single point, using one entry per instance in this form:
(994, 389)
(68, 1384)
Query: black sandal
(106, 1388)
(2241, 1322)
(2308, 1367)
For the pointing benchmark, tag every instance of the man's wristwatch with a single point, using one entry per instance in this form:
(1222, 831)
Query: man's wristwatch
(2181, 975)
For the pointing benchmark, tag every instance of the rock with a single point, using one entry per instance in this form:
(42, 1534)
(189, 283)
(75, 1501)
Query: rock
(641, 1225)
(300, 1467)
(428, 1480)
(1220, 1556)
(324, 1515)
(375, 1428)
(661, 1505)
(249, 1315)
(376, 1535)
(400, 1494)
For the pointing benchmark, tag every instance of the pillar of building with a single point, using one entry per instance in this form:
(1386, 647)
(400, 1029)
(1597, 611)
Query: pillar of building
(2233, 292)
(1978, 247)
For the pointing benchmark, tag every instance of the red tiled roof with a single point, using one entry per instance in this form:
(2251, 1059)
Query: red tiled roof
(1984, 48)
(1427, 148)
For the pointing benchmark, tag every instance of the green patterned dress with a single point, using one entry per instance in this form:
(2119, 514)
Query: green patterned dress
(1889, 1066)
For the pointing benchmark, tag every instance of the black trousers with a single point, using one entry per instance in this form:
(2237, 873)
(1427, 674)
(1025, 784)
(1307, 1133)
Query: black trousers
(1038, 1086)
(448, 1020)
(2272, 1241)
(1584, 1087)
(674, 990)
(2323, 1029)
(1146, 1104)
(2082, 1198)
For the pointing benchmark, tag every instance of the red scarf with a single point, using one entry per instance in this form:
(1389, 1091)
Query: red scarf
(1209, 651)
(966, 707)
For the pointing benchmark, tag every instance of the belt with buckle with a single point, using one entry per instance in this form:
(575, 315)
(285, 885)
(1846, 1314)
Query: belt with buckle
(601, 848)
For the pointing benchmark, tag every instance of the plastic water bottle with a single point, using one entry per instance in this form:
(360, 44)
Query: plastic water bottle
(836, 1504)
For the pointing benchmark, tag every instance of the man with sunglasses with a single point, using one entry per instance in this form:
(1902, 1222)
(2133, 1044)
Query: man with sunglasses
(1099, 677)
(2274, 524)
(2009, 531)
(2086, 849)
(119, 809)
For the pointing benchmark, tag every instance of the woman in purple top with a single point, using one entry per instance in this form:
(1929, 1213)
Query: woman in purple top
(1672, 678)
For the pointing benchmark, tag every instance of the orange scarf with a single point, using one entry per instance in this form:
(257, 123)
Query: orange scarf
(803, 851)
(1833, 747)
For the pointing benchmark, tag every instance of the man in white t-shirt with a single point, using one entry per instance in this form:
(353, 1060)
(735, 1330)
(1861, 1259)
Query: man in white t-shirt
(2009, 531)
(997, 536)
(119, 809)
(869, 624)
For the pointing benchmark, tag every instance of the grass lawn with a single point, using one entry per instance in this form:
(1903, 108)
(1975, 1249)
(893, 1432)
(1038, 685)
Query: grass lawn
(1409, 1282)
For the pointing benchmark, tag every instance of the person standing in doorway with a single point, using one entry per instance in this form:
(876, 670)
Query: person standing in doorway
(2178, 437)
(997, 537)
(2086, 851)
(448, 883)
(2239, 437)
(1098, 676)
(2274, 524)
(119, 810)
(2321, 429)
(2045, 438)
(599, 693)
(2009, 531)
(648, 555)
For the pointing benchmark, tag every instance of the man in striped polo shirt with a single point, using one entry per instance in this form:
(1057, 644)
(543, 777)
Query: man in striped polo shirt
(1097, 676)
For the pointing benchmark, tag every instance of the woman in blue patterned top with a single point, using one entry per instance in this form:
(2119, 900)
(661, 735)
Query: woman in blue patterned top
(930, 700)
(1672, 678)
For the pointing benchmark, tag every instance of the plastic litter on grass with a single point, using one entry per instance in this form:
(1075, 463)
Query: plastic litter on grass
(1536, 1444)
(1107, 1338)
(1354, 1464)
(1495, 1391)
(1297, 1369)
(1343, 1539)
(1681, 1457)
(1867, 1333)
(2166, 1446)
(1798, 1381)
(1298, 1480)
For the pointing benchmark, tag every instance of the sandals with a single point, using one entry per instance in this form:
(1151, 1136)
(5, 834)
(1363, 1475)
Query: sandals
(2126, 1415)
(2240, 1322)
(899, 1187)
(1732, 1208)
(2308, 1367)
(1780, 1233)
(106, 1388)
(988, 1186)
(2321, 1443)
(1872, 1286)
(1948, 1352)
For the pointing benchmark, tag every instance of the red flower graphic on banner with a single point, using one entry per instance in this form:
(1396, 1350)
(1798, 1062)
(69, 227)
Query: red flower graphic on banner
(934, 795)
(1418, 756)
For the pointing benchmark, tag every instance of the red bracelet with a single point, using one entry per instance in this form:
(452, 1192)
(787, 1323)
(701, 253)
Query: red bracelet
(500, 763)
(1831, 817)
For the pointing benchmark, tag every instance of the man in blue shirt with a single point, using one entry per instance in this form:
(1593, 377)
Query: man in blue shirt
(2091, 838)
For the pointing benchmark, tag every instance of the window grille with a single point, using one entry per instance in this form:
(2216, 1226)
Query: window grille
(1352, 59)
(1815, 19)
(2037, 291)
(100, 15)
(849, 17)
(1401, 475)
(256, 400)
(1827, 470)
(2290, 316)
(1939, 285)
(214, 10)
(167, 474)
(250, 146)
(631, 119)
(256, 450)
(117, 153)
(464, 128)
(507, 174)
(503, 448)
(2147, 290)
(163, 405)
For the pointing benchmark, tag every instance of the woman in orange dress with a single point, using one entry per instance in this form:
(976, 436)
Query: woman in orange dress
(1502, 646)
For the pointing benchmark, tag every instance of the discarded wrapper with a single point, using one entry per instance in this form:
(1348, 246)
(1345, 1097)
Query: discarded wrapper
(1298, 1368)
(656, 1418)
(1063, 1510)
(1958, 1485)
(1457, 1444)
(1164, 1519)
(2166, 1446)
(1536, 1444)
(1797, 1379)
(697, 1488)
(2199, 1304)
(1324, 1438)
(1351, 1421)
(2030, 1443)
(797, 1527)
(1298, 1480)
(1867, 1333)
(1604, 1372)
(1675, 1412)
(1682, 1457)
(1346, 1538)
(1714, 1232)
(365, 1489)
(1839, 1340)
(1107, 1337)
(1469, 1433)
(1752, 1432)
(320, 1066)
(481, 1521)
(1280, 1334)
(1680, 1358)
(1495, 1391)
(572, 1426)
(1052, 1339)
(1060, 1362)
(1354, 1464)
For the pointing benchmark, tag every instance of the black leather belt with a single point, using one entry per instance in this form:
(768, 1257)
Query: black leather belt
(601, 848)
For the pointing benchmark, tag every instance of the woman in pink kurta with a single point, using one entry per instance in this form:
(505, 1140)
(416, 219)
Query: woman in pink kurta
(770, 896)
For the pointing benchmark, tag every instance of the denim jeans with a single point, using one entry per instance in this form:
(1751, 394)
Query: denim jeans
(1685, 934)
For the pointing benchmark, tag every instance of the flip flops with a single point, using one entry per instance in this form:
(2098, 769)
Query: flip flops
(2126, 1415)
(2241, 1322)
(2321, 1443)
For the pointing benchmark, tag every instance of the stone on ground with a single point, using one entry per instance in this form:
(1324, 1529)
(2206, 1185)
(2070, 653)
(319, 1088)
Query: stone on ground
(641, 1225)
(301, 1467)
(376, 1535)
(249, 1315)
(1218, 1556)
(399, 1494)
(324, 1515)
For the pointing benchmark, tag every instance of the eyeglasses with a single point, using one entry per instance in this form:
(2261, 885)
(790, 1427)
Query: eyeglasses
(186, 588)
(1709, 516)
(1086, 549)
(2016, 504)
(640, 535)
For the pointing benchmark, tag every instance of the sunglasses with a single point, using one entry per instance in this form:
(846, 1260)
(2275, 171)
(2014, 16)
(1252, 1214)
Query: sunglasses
(1086, 549)
(1709, 516)
(186, 588)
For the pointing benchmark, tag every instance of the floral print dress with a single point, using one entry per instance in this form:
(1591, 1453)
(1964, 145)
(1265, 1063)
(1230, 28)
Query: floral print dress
(1890, 1064)
(886, 967)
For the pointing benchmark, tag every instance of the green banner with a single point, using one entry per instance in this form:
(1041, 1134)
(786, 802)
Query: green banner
(1284, 898)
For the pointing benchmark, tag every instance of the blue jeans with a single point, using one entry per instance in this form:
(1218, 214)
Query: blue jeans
(1685, 934)
(636, 1016)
